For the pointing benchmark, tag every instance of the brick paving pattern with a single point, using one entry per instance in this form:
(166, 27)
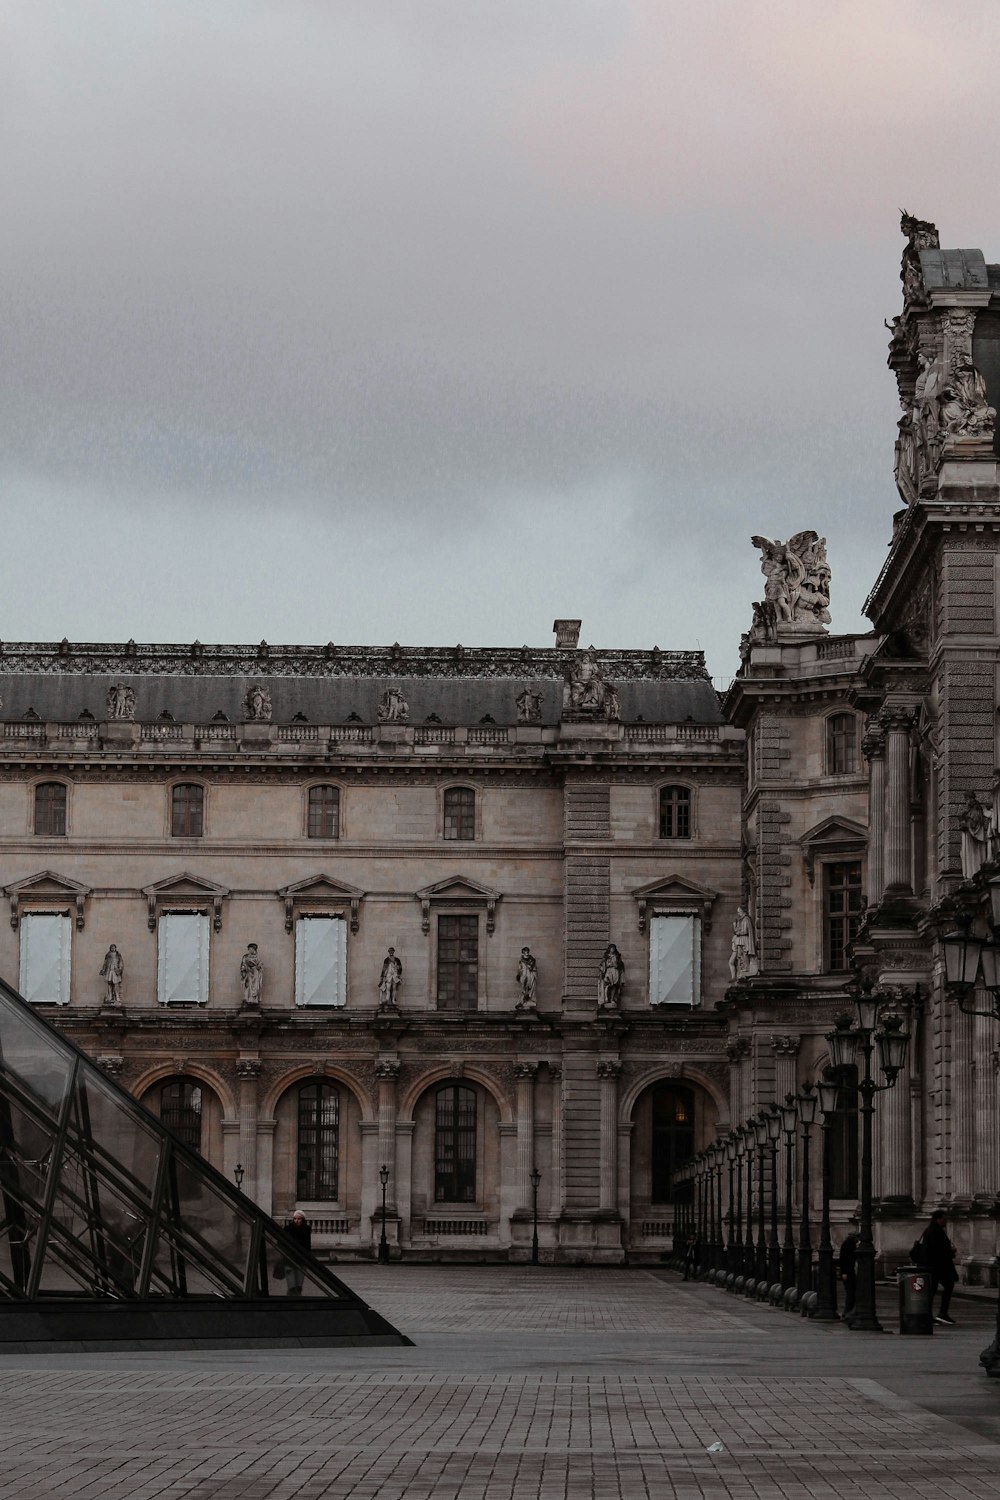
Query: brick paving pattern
(563, 1385)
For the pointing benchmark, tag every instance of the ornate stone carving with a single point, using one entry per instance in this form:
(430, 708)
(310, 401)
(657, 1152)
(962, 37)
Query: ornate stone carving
(111, 1064)
(121, 702)
(993, 823)
(393, 709)
(920, 235)
(787, 1046)
(737, 1048)
(529, 707)
(113, 974)
(974, 825)
(797, 590)
(873, 740)
(525, 1069)
(965, 410)
(248, 1068)
(608, 1067)
(610, 980)
(743, 956)
(257, 705)
(386, 1067)
(527, 980)
(390, 980)
(587, 694)
(251, 976)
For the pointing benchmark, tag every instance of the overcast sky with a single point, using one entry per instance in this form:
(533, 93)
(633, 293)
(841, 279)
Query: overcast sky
(431, 320)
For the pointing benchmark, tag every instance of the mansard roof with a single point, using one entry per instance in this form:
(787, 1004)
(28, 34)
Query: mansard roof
(336, 684)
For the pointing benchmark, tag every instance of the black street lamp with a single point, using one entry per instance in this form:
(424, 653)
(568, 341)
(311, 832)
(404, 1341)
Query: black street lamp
(720, 1239)
(773, 1118)
(806, 1103)
(749, 1254)
(732, 1250)
(759, 1124)
(383, 1243)
(846, 1045)
(789, 1124)
(534, 1177)
(239, 1174)
(828, 1091)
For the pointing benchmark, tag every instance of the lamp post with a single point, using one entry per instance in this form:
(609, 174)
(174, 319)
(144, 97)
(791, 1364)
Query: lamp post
(773, 1118)
(740, 1149)
(705, 1226)
(846, 1045)
(806, 1103)
(534, 1177)
(720, 1236)
(749, 1255)
(826, 1283)
(383, 1243)
(760, 1135)
(789, 1125)
(731, 1251)
(965, 958)
(239, 1174)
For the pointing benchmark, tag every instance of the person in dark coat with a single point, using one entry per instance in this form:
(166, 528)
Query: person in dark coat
(298, 1229)
(847, 1269)
(939, 1258)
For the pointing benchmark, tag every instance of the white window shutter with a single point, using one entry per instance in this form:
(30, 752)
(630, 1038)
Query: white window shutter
(321, 961)
(675, 959)
(182, 958)
(46, 939)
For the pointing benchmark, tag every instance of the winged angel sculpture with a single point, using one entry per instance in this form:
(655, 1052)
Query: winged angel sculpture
(797, 591)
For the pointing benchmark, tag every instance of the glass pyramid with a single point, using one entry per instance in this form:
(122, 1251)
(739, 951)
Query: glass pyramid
(100, 1202)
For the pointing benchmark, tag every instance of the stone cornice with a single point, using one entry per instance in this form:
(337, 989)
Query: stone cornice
(955, 510)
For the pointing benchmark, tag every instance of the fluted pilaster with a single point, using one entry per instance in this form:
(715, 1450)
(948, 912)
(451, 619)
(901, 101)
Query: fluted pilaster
(873, 746)
(607, 1071)
(386, 1072)
(248, 1071)
(896, 722)
(524, 1073)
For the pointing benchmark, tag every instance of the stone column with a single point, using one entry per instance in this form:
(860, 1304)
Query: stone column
(738, 1050)
(893, 1152)
(607, 1071)
(386, 1072)
(984, 1182)
(554, 1192)
(248, 1070)
(524, 1073)
(898, 854)
(873, 745)
(963, 1111)
(786, 1051)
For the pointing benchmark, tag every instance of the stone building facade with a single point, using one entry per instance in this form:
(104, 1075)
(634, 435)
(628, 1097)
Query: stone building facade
(469, 915)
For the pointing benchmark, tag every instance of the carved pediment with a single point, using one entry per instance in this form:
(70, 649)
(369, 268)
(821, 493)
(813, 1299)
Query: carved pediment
(457, 890)
(834, 837)
(320, 893)
(46, 888)
(184, 890)
(675, 893)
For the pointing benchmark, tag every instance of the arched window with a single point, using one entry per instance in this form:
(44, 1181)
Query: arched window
(187, 810)
(50, 808)
(844, 1139)
(460, 813)
(675, 812)
(455, 1145)
(180, 1110)
(324, 812)
(318, 1156)
(672, 1141)
(841, 744)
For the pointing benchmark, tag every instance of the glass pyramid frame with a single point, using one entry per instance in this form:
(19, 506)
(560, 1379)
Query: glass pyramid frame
(103, 1209)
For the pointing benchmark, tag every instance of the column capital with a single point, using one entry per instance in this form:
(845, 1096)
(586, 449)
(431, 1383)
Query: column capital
(789, 1045)
(111, 1064)
(386, 1067)
(737, 1047)
(898, 717)
(525, 1070)
(608, 1067)
(248, 1067)
(873, 741)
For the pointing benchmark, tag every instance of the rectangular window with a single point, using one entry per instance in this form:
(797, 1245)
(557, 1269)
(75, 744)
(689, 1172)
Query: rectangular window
(675, 959)
(321, 961)
(458, 963)
(842, 916)
(182, 958)
(187, 811)
(45, 957)
(460, 813)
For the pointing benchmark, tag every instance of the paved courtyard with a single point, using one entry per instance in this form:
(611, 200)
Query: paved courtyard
(551, 1384)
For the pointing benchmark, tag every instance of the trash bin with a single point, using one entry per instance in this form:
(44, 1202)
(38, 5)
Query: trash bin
(914, 1300)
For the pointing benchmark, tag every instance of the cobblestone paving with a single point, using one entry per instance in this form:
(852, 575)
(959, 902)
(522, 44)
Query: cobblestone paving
(564, 1385)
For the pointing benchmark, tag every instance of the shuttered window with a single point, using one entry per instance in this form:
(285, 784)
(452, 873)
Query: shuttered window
(675, 959)
(182, 958)
(45, 957)
(321, 961)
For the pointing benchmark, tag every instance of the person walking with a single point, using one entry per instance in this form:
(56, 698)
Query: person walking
(847, 1269)
(938, 1255)
(298, 1229)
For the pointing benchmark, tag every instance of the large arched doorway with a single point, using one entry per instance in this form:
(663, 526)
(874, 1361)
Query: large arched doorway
(317, 1157)
(192, 1110)
(456, 1166)
(672, 1119)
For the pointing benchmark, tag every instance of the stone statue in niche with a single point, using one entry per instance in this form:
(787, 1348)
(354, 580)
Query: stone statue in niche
(121, 702)
(974, 825)
(965, 410)
(113, 974)
(389, 981)
(527, 979)
(610, 980)
(529, 707)
(587, 692)
(394, 708)
(797, 575)
(252, 975)
(257, 705)
(743, 957)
